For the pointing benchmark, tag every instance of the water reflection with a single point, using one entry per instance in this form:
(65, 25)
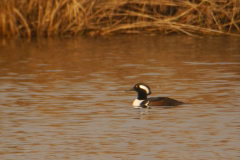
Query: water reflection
(64, 98)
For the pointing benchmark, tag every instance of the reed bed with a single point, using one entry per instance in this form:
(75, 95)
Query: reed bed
(29, 18)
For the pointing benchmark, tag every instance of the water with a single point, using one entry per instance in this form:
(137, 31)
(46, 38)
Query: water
(64, 98)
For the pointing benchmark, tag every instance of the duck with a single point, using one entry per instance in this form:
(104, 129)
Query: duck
(142, 101)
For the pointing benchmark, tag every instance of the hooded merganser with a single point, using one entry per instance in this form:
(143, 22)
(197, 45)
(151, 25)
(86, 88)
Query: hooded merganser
(143, 102)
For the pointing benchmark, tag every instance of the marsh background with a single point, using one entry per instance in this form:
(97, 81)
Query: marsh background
(29, 18)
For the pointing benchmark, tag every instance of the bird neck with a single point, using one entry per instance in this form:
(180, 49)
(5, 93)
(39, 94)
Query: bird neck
(142, 95)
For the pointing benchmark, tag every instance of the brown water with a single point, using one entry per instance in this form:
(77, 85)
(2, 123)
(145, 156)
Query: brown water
(64, 98)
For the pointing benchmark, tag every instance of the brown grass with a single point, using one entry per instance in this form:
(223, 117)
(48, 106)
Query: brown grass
(28, 18)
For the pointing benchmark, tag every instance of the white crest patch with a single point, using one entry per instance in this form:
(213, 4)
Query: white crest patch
(145, 88)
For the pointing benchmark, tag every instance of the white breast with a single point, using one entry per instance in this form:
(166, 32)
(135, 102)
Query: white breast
(136, 103)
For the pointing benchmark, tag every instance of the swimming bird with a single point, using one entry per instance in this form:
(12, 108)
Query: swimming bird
(142, 101)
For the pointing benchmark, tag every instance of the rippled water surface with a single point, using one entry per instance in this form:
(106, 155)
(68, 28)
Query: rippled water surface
(64, 98)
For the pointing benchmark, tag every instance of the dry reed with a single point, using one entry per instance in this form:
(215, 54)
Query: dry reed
(28, 18)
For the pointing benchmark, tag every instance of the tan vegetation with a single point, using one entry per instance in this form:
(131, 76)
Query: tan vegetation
(30, 18)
